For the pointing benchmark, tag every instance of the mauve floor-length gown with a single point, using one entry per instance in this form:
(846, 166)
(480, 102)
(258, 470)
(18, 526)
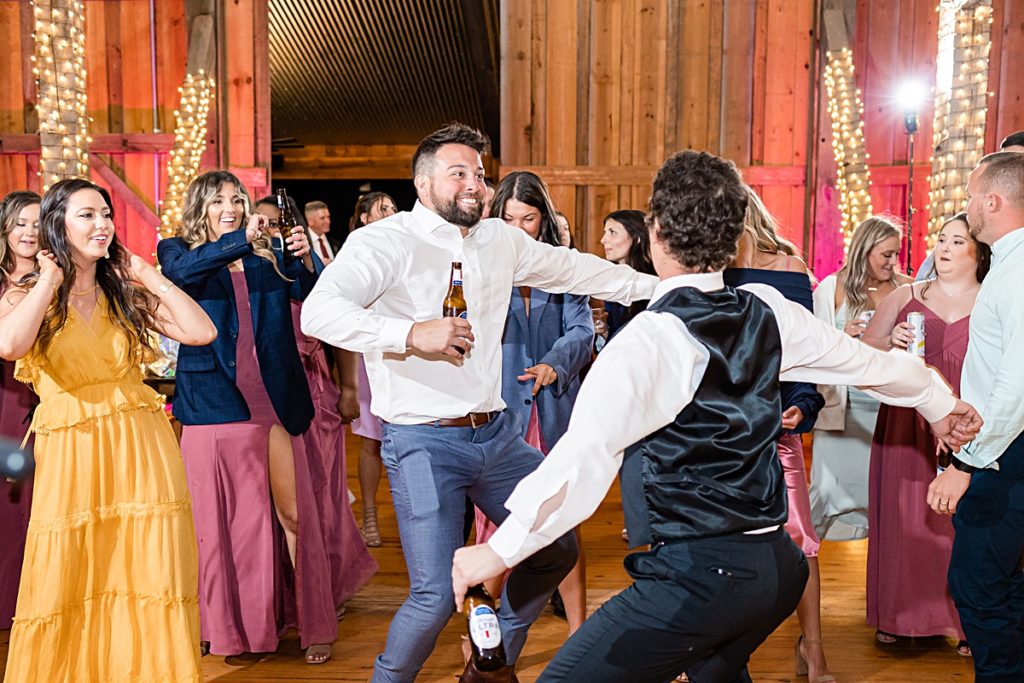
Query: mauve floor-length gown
(909, 546)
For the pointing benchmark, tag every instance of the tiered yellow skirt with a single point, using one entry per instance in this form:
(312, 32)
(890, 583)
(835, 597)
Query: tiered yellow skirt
(109, 587)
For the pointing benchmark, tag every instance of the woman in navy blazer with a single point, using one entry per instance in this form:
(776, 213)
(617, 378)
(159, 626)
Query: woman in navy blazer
(546, 344)
(244, 403)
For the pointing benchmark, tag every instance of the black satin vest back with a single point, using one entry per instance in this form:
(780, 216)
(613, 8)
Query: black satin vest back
(714, 470)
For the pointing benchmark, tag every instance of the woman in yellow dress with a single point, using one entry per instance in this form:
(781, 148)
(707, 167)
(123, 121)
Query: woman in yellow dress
(109, 586)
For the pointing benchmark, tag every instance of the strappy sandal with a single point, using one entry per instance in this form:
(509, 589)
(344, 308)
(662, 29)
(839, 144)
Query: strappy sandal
(963, 649)
(371, 528)
(801, 662)
(318, 654)
(885, 638)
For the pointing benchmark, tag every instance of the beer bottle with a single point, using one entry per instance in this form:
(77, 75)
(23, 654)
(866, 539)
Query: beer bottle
(484, 634)
(455, 301)
(287, 224)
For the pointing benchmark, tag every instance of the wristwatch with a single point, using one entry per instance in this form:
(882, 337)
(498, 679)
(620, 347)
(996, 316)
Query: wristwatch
(959, 464)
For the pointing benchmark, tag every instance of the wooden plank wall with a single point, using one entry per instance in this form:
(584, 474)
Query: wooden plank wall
(135, 64)
(597, 93)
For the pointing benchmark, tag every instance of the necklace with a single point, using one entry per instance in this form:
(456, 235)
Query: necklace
(85, 291)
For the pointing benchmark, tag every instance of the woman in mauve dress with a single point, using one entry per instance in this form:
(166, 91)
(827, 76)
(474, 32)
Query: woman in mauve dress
(909, 546)
(351, 564)
(19, 243)
(244, 404)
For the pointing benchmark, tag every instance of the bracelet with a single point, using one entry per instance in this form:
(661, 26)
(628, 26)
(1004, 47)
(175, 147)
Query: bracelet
(53, 287)
(959, 464)
(165, 286)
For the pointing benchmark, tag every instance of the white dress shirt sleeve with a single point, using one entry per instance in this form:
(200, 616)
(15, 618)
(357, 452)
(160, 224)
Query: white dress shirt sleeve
(814, 351)
(1003, 409)
(559, 270)
(645, 377)
(641, 381)
(336, 311)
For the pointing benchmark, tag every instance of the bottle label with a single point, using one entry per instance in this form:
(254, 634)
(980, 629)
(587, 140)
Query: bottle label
(456, 283)
(483, 627)
(463, 315)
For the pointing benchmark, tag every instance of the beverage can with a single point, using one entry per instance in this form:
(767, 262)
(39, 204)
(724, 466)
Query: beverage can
(865, 316)
(916, 321)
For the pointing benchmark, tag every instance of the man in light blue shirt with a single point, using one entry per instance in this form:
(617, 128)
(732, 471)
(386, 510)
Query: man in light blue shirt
(1011, 143)
(985, 485)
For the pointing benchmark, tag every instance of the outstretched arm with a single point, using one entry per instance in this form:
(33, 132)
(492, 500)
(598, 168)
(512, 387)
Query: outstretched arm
(624, 399)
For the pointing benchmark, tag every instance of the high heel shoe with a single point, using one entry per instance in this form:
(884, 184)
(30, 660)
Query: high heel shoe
(801, 662)
(371, 528)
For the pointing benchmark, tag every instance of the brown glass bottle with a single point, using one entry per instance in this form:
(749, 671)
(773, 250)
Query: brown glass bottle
(455, 301)
(484, 633)
(287, 224)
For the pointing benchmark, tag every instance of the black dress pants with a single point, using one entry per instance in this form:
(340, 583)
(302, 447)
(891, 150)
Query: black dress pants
(698, 606)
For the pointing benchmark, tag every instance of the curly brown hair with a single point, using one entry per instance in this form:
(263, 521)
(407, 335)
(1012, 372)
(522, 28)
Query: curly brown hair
(697, 208)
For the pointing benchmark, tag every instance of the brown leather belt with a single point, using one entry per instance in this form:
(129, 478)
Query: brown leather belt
(474, 420)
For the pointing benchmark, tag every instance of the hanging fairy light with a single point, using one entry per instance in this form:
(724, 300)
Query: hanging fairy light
(846, 110)
(189, 142)
(59, 68)
(961, 106)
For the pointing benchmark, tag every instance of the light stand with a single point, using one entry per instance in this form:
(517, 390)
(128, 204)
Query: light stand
(910, 124)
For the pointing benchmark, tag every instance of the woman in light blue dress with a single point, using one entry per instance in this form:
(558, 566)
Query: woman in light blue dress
(842, 434)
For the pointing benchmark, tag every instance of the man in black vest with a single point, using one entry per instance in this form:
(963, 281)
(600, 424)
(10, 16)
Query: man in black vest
(686, 401)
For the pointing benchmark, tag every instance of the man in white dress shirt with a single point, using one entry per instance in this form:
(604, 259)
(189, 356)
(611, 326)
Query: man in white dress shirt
(985, 485)
(685, 400)
(436, 382)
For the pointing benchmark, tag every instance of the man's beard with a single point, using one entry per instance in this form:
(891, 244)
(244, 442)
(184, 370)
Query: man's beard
(455, 214)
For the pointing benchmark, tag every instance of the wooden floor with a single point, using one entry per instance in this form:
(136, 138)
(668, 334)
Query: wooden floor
(850, 643)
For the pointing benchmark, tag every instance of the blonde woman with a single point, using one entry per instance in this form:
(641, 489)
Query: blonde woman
(244, 402)
(842, 434)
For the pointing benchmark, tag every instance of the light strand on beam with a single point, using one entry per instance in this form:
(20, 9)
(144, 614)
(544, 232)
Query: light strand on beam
(960, 109)
(59, 68)
(189, 143)
(845, 108)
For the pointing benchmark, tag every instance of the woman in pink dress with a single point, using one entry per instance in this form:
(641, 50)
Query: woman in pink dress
(370, 208)
(765, 257)
(245, 405)
(909, 546)
(351, 564)
(19, 243)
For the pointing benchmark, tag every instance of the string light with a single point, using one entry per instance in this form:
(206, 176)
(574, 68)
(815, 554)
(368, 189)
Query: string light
(189, 143)
(961, 107)
(845, 108)
(59, 37)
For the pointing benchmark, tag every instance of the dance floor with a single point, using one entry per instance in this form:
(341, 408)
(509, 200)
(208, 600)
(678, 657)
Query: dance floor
(853, 654)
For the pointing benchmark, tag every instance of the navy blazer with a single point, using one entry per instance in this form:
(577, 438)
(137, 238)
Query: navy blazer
(206, 392)
(559, 332)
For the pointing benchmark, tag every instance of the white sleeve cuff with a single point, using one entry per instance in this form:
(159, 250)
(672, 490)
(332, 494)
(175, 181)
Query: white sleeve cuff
(393, 335)
(508, 541)
(941, 402)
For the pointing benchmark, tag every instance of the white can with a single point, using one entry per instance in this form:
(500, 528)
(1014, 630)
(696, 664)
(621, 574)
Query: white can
(865, 316)
(916, 321)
